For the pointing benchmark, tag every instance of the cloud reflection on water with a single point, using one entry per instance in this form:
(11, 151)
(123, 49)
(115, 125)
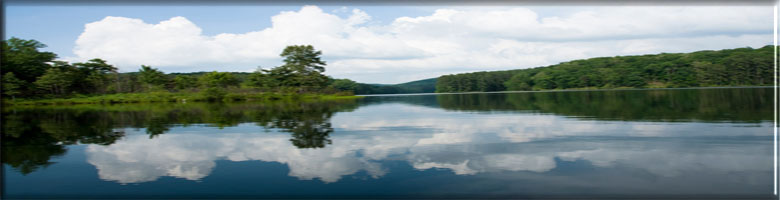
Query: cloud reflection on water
(427, 138)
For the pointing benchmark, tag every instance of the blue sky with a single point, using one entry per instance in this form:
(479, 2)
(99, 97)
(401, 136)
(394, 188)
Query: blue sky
(381, 44)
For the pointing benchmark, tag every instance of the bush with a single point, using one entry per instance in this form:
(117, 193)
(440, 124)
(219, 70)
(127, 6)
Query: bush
(213, 94)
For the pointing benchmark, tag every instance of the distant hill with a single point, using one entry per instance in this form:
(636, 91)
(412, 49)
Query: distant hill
(239, 75)
(729, 67)
(420, 86)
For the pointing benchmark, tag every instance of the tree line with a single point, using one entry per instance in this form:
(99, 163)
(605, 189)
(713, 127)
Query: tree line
(28, 72)
(730, 67)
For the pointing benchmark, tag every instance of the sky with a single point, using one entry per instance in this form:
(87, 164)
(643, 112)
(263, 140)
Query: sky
(381, 44)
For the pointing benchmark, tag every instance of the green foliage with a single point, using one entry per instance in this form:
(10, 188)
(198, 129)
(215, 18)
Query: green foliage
(23, 58)
(303, 59)
(56, 81)
(731, 67)
(218, 80)
(302, 68)
(92, 76)
(98, 66)
(259, 79)
(419, 86)
(214, 93)
(33, 135)
(741, 105)
(183, 82)
(12, 86)
(31, 76)
(344, 85)
(151, 77)
(477, 81)
(520, 81)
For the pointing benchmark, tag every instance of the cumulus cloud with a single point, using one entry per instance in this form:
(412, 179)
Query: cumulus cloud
(449, 40)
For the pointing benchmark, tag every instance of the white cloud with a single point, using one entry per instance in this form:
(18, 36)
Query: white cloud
(450, 40)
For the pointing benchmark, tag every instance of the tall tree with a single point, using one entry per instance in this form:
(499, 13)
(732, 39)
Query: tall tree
(303, 58)
(302, 68)
(56, 81)
(93, 75)
(151, 77)
(23, 58)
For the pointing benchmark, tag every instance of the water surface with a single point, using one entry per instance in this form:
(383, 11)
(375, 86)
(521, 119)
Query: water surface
(713, 143)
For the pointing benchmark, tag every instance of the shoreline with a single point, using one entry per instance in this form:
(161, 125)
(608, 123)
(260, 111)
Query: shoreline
(567, 90)
(177, 97)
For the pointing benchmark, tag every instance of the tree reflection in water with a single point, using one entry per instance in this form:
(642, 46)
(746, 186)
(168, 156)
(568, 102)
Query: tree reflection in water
(32, 136)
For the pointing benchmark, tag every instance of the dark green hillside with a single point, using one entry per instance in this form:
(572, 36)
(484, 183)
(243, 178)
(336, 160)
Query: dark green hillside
(420, 86)
(730, 67)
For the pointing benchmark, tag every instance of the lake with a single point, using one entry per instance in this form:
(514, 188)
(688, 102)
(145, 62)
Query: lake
(668, 143)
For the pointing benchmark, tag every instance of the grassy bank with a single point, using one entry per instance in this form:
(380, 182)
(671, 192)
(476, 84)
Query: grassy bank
(150, 97)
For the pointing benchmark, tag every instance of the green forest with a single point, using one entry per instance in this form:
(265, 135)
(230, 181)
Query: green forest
(730, 67)
(32, 75)
(29, 74)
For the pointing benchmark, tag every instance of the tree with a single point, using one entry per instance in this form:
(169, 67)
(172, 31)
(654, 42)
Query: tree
(93, 76)
(151, 77)
(97, 65)
(344, 85)
(23, 58)
(708, 74)
(218, 80)
(56, 81)
(543, 81)
(303, 58)
(184, 82)
(11, 85)
(259, 79)
(520, 81)
(302, 68)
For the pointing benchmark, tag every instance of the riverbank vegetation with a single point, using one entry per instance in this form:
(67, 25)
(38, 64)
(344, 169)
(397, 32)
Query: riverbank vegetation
(31, 76)
(730, 67)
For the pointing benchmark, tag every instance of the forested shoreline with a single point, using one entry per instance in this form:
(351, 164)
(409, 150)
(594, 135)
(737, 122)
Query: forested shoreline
(31, 76)
(729, 67)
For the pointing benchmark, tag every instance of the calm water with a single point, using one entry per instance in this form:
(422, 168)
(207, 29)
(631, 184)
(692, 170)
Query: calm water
(640, 143)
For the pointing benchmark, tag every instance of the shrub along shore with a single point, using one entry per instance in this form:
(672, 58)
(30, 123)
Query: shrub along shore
(182, 97)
